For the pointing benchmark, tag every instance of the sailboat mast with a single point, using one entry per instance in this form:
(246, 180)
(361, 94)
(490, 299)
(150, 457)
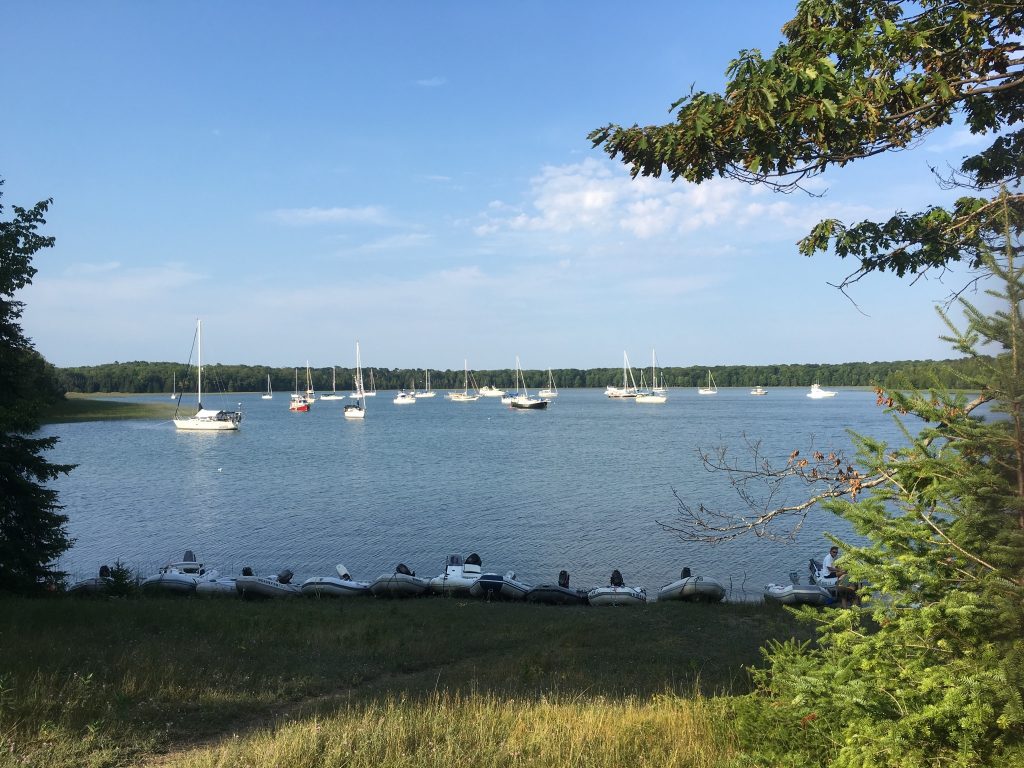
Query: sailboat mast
(199, 363)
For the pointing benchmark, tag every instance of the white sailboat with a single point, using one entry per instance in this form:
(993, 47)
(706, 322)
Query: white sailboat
(371, 392)
(269, 394)
(205, 419)
(522, 400)
(550, 390)
(655, 395)
(174, 387)
(334, 387)
(465, 396)
(711, 388)
(427, 391)
(357, 410)
(628, 388)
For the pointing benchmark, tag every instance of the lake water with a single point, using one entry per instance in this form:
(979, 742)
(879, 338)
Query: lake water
(580, 486)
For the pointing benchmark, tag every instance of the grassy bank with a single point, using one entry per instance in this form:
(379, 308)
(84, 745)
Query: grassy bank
(88, 408)
(371, 682)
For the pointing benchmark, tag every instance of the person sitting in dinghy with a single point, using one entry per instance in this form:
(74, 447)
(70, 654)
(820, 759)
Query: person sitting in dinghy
(829, 569)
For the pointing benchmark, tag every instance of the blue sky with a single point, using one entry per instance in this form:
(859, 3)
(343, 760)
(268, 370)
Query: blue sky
(417, 176)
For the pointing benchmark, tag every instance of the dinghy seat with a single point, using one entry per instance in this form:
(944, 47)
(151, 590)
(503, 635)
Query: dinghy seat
(563, 578)
(616, 580)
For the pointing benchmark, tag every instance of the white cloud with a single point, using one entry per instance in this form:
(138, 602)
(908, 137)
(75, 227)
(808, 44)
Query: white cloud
(368, 214)
(432, 82)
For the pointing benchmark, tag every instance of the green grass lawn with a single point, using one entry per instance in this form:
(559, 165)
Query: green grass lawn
(363, 681)
(89, 408)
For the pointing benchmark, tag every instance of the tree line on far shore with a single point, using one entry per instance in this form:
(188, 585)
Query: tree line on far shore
(161, 377)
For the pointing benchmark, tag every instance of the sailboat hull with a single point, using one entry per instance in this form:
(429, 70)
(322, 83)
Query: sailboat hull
(211, 424)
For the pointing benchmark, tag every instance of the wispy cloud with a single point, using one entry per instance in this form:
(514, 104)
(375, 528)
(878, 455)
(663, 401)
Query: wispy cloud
(368, 214)
(432, 82)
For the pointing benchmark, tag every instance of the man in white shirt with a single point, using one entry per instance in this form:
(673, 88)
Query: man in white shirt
(828, 565)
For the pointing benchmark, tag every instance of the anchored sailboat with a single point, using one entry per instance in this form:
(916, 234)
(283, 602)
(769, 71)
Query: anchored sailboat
(206, 419)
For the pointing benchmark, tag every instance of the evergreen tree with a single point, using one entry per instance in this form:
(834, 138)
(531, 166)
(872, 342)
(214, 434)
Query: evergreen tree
(32, 532)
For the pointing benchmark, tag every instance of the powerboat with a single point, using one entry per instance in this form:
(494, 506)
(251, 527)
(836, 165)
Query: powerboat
(401, 583)
(335, 586)
(178, 578)
(404, 398)
(694, 588)
(97, 585)
(489, 391)
(617, 593)
(459, 575)
(495, 586)
(557, 594)
(759, 390)
(817, 393)
(268, 586)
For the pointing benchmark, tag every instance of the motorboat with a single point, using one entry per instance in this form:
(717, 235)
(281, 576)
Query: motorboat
(798, 594)
(459, 575)
(817, 393)
(693, 588)
(206, 419)
(212, 584)
(178, 578)
(496, 586)
(268, 586)
(489, 391)
(404, 398)
(97, 585)
(759, 390)
(557, 594)
(341, 585)
(401, 583)
(617, 593)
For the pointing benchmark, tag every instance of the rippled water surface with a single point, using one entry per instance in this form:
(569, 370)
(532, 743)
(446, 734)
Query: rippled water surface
(580, 486)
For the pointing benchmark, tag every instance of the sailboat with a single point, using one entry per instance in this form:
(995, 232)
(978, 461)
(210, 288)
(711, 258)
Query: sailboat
(628, 388)
(206, 419)
(269, 394)
(427, 391)
(334, 387)
(174, 387)
(465, 396)
(523, 401)
(550, 390)
(655, 394)
(299, 402)
(711, 388)
(357, 410)
(371, 392)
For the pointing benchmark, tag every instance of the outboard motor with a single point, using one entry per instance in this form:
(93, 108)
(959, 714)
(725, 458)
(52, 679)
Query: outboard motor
(104, 571)
(685, 574)
(473, 559)
(616, 579)
(190, 556)
(404, 569)
(563, 579)
(343, 573)
(247, 571)
(285, 576)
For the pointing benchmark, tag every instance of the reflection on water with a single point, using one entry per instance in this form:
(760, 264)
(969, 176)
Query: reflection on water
(580, 486)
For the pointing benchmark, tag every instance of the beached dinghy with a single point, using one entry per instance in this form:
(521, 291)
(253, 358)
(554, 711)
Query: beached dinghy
(212, 584)
(459, 575)
(617, 593)
(494, 586)
(694, 588)
(798, 594)
(557, 594)
(176, 578)
(401, 583)
(268, 586)
(97, 585)
(335, 586)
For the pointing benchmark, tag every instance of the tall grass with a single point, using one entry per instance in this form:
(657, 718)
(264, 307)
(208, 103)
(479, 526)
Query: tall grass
(106, 682)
